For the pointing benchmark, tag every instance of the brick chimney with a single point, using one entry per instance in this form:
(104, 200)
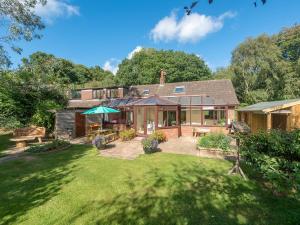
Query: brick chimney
(162, 79)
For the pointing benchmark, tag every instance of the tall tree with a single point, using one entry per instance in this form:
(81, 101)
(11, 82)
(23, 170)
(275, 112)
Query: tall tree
(18, 22)
(260, 71)
(144, 67)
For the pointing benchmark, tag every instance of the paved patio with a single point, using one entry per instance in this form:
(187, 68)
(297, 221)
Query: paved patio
(132, 149)
(124, 150)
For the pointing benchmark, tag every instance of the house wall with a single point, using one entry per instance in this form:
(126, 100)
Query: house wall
(86, 94)
(65, 121)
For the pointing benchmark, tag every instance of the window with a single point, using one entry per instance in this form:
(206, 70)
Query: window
(129, 117)
(167, 118)
(179, 89)
(146, 92)
(196, 116)
(183, 116)
(98, 94)
(208, 116)
(108, 94)
(75, 94)
(214, 117)
(114, 93)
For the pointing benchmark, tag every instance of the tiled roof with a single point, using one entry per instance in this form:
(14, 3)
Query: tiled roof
(221, 91)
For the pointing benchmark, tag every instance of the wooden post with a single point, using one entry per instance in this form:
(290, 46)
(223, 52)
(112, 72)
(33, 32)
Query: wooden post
(156, 117)
(202, 116)
(178, 123)
(250, 119)
(135, 118)
(145, 120)
(226, 117)
(288, 122)
(269, 121)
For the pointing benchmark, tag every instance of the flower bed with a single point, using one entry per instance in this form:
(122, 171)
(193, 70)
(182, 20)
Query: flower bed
(51, 146)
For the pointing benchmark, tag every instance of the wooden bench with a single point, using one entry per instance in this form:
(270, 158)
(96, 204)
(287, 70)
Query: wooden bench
(22, 135)
(199, 131)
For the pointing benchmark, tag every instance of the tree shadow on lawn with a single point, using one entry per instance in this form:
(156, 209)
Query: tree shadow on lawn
(28, 184)
(191, 195)
(5, 143)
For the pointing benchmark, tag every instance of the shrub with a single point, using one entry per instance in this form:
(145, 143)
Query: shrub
(127, 135)
(159, 136)
(54, 145)
(276, 156)
(150, 145)
(215, 140)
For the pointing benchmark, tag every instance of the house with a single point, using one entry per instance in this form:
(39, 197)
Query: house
(284, 115)
(175, 108)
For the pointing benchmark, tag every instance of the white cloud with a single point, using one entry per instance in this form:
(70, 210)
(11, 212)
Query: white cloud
(137, 49)
(111, 65)
(188, 28)
(56, 8)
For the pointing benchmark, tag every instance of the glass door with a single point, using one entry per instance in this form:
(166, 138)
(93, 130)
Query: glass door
(150, 120)
(140, 120)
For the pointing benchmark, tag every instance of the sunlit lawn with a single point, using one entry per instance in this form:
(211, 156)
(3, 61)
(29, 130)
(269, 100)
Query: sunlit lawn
(76, 186)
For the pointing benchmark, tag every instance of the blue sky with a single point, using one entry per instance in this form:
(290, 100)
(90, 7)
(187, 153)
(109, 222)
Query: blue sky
(98, 32)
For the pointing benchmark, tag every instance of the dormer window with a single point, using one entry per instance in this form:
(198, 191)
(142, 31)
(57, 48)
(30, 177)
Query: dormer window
(146, 92)
(179, 89)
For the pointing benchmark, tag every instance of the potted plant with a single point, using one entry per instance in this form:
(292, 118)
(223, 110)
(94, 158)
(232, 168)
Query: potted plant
(150, 145)
(99, 142)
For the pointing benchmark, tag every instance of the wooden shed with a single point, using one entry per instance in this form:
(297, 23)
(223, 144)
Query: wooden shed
(284, 115)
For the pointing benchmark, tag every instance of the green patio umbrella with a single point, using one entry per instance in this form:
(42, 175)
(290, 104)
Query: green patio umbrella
(100, 110)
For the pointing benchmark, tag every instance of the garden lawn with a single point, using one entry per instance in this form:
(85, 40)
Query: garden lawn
(76, 186)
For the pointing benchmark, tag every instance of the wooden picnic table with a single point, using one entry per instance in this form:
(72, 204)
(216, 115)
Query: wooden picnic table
(199, 130)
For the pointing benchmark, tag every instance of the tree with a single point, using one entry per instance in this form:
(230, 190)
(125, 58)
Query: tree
(260, 71)
(18, 23)
(24, 100)
(223, 73)
(289, 42)
(144, 67)
(61, 72)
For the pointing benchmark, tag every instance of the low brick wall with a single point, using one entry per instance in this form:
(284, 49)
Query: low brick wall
(170, 132)
(188, 130)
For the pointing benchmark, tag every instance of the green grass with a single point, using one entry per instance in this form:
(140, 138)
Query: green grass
(5, 143)
(76, 186)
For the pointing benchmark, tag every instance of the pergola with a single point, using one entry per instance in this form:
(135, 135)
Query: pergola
(154, 113)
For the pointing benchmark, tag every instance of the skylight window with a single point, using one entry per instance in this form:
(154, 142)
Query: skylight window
(146, 92)
(179, 89)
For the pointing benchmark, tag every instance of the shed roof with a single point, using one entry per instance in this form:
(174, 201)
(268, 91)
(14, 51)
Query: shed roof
(270, 106)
